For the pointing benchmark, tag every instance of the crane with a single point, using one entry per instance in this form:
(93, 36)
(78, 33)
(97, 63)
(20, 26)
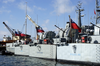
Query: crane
(10, 30)
(32, 21)
(16, 37)
(38, 28)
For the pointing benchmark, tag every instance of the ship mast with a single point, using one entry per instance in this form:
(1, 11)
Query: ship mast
(97, 12)
(79, 10)
(26, 20)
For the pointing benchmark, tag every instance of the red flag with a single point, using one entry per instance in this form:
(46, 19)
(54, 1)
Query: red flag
(16, 34)
(94, 12)
(22, 34)
(39, 29)
(75, 26)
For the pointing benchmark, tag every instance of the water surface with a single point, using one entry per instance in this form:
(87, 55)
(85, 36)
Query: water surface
(30, 61)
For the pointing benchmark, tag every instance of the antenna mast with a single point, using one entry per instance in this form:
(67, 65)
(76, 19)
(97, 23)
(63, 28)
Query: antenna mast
(79, 13)
(97, 12)
(26, 20)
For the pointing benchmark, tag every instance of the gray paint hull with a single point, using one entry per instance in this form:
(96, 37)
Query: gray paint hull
(10, 47)
(40, 50)
(79, 52)
(43, 51)
(22, 50)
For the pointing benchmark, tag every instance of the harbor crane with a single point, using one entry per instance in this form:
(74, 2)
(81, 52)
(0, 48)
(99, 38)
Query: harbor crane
(10, 30)
(15, 37)
(32, 21)
(38, 28)
(49, 35)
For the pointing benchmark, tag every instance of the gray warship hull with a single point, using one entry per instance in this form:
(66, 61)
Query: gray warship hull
(46, 51)
(79, 52)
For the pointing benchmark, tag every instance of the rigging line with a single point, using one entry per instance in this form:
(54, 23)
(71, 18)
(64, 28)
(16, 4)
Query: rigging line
(64, 19)
(35, 33)
(64, 16)
(88, 16)
(37, 19)
(56, 20)
(23, 27)
(31, 30)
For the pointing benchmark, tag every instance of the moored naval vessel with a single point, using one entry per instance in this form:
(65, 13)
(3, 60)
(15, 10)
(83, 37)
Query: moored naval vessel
(74, 43)
(41, 47)
(82, 43)
(18, 38)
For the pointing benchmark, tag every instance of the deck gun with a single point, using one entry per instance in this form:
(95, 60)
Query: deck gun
(94, 25)
(61, 30)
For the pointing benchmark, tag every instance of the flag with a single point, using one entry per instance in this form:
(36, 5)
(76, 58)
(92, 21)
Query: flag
(16, 33)
(22, 35)
(39, 29)
(75, 26)
(94, 12)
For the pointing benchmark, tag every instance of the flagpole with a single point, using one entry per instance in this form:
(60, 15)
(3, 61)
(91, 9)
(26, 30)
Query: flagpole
(70, 27)
(70, 21)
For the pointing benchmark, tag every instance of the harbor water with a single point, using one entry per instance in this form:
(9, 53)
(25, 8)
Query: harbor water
(30, 61)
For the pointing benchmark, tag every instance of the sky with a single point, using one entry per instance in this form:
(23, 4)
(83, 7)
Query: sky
(45, 13)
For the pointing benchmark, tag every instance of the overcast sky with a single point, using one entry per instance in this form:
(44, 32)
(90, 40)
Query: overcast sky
(45, 13)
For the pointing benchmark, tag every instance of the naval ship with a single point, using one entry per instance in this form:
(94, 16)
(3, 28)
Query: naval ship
(41, 47)
(80, 43)
(74, 43)
(11, 43)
